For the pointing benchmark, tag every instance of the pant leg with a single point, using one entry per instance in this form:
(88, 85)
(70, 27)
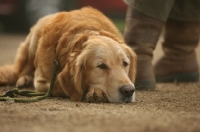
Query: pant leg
(158, 9)
(185, 10)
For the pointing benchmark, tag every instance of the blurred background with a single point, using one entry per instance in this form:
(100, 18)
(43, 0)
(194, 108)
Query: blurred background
(17, 16)
(20, 15)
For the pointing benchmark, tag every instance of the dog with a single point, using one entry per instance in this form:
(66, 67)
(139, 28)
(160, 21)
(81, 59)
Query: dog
(95, 64)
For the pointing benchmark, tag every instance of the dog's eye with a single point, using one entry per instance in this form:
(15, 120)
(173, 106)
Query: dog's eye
(125, 63)
(103, 66)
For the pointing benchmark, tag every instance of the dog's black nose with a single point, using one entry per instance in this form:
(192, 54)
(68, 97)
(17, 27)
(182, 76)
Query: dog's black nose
(127, 90)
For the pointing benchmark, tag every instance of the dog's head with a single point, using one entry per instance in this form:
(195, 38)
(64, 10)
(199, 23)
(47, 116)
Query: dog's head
(107, 65)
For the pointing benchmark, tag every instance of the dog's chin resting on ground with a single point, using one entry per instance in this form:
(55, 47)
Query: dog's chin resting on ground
(95, 64)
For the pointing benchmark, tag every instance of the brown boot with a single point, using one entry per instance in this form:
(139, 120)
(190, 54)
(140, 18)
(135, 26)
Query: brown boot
(141, 34)
(179, 62)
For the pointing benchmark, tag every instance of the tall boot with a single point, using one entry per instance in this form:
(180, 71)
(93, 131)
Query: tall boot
(141, 34)
(179, 62)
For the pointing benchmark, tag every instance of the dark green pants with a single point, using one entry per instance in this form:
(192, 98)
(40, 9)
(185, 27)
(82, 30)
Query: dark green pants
(185, 10)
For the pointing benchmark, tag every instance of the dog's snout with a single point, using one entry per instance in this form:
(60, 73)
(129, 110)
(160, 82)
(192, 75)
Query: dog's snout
(127, 90)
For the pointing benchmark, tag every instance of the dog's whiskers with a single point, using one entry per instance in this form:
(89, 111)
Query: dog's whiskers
(139, 86)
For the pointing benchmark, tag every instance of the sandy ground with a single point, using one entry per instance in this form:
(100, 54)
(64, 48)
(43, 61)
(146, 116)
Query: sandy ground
(170, 108)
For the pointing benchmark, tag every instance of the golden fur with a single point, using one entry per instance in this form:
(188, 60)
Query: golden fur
(90, 51)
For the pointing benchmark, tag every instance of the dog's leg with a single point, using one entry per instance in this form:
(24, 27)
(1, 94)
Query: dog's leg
(26, 74)
(24, 81)
(24, 61)
(25, 78)
(41, 83)
(95, 96)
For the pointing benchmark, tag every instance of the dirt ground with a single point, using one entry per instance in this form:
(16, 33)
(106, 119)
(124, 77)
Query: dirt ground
(170, 108)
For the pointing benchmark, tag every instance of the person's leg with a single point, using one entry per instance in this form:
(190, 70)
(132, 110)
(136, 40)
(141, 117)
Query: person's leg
(144, 24)
(179, 62)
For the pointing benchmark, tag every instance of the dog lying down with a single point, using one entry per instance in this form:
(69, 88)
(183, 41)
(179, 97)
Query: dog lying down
(95, 64)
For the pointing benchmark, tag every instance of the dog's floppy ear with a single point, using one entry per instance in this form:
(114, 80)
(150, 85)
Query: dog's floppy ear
(71, 76)
(78, 76)
(74, 85)
(133, 63)
(80, 70)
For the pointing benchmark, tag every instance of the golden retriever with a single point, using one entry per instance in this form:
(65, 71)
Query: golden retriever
(95, 64)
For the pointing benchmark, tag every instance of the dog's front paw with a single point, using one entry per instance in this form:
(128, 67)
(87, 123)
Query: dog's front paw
(24, 81)
(95, 96)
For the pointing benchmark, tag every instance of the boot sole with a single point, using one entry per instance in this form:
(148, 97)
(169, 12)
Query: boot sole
(182, 77)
